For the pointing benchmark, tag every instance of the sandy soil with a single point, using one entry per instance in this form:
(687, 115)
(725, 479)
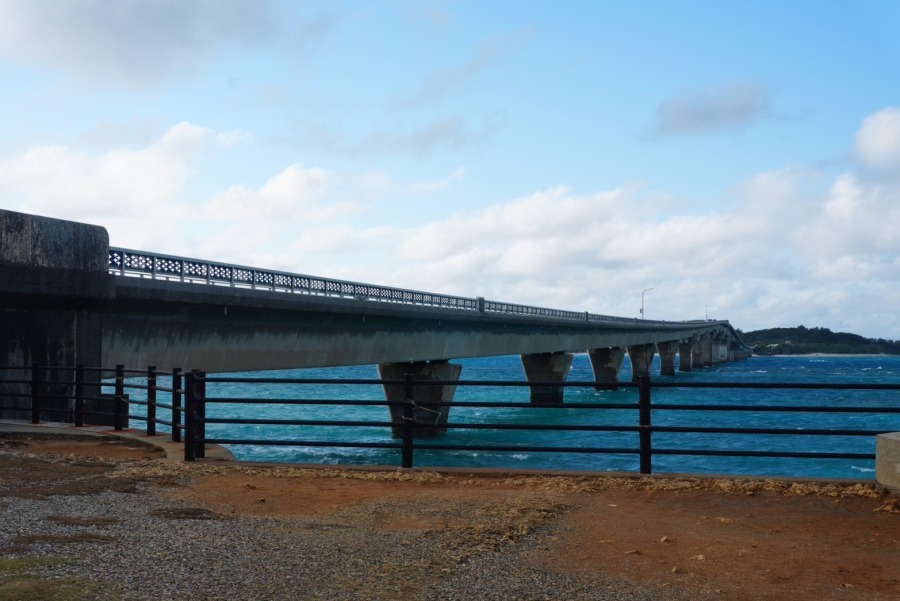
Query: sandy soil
(747, 539)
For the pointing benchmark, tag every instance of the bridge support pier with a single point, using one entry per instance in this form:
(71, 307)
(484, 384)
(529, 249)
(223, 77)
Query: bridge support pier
(547, 367)
(685, 356)
(423, 394)
(641, 356)
(697, 354)
(718, 349)
(667, 351)
(607, 363)
(723, 351)
(706, 346)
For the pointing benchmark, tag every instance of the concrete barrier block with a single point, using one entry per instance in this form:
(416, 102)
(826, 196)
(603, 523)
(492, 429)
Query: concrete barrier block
(35, 241)
(887, 460)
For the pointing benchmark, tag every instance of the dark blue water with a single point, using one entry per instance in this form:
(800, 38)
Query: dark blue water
(882, 369)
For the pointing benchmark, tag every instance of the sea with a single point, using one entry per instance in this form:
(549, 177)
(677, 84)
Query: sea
(514, 443)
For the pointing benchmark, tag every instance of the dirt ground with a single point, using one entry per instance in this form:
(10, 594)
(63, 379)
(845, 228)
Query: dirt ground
(747, 539)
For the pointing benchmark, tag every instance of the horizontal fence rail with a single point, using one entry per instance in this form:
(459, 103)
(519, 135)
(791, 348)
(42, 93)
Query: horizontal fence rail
(125, 262)
(186, 404)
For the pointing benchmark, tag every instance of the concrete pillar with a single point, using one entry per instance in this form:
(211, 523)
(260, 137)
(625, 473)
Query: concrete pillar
(423, 394)
(667, 352)
(697, 353)
(641, 356)
(887, 460)
(718, 352)
(607, 363)
(707, 345)
(723, 350)
(685, 355)
(547, 367)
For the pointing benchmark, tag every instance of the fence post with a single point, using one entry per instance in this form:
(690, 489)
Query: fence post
(37, 389)
(409, 420)
(190, 435)
(644, 424)
(176, 404)
(200, 418)
(151, 400)
(121, 408)
(79, 395)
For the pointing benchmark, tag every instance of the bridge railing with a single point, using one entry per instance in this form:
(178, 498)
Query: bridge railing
(134, 263)
(200, 420)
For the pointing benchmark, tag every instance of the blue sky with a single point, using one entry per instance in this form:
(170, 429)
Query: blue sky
(742, 159)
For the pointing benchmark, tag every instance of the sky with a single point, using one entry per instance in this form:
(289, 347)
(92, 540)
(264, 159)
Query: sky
(729, 160)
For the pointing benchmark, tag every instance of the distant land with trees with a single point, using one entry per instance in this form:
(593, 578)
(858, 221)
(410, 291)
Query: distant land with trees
(803, 341)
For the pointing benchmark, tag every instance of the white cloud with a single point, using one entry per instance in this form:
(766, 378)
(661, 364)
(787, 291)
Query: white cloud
(856, 219)
(73, 184)
(448, 132)
(233, 138)
(129, 41)
(433, 186)
(878, 140)
(291, 194)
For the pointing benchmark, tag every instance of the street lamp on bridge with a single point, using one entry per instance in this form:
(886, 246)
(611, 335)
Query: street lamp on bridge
(642, 300)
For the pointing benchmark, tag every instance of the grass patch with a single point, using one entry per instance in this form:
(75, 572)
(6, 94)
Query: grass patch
(31, 477)
(19, 581)
(20, 544)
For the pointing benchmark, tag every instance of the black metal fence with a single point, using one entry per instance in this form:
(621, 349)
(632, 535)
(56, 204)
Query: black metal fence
(60, 392)
(64, 394)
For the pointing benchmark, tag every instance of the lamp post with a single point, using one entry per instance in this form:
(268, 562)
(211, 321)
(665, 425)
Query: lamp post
(642, 300)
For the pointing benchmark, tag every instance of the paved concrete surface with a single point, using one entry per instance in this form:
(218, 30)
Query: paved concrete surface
(174, 450)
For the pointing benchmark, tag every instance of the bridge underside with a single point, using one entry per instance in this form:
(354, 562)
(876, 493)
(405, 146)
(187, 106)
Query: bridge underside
(167, 325)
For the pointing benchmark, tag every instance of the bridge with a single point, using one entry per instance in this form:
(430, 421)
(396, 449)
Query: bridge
(69, 298)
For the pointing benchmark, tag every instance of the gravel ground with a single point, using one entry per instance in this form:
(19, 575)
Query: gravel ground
(143, 545)
(106, 520)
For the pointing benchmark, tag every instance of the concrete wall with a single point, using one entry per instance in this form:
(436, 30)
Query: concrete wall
(53, 281)
(36, 241)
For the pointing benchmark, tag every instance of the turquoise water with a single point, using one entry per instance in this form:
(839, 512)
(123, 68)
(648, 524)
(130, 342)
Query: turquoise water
(882, 369)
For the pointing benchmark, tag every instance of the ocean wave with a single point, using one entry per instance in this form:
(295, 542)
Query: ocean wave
(862, 469)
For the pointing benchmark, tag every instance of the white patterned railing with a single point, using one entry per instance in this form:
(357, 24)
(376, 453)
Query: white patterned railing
(135, 263)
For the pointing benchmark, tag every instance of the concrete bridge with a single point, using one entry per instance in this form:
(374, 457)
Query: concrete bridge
(68, 298)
